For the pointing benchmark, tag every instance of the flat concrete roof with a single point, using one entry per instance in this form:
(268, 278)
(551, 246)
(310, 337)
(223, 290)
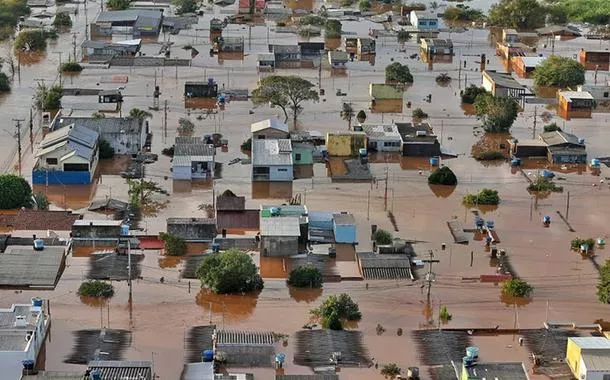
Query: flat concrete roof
(22, 266)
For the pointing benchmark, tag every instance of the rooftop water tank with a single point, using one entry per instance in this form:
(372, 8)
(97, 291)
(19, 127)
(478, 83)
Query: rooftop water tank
(280, 358)
(208, 356)
(36, 302)
(547, 219)
(581, 141)
(124, 230)
(434, 161)
(490, 224)
(38, 244)
(362, 152)
(215, 247)
(96, 375)
(601, 242)
(468, 362)
(595, 163)
(515, 162)
(472, 352)
(28, 364)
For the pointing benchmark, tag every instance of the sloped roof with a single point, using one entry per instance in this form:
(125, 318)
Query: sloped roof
(338, 56)
(271, 152)
(569, 95)
(230, 203)
(268, 124)
(101, 125)
(558, 138)
(76, 133)
(503, 79)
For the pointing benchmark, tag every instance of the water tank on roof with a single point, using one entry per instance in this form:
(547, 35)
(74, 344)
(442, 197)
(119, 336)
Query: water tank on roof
(274, 211)
(581, 141)
(38, 244)
(36, 302)
(434, 161)
(124, 229)
(468, 362)
(207, 356)
(96, 375)
(362, 152)
(472, 352)
(595, 163)
(28, 364)
(515, 162)
(421, 133)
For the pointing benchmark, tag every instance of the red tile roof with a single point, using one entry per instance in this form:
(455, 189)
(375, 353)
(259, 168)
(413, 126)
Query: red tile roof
(27, 219)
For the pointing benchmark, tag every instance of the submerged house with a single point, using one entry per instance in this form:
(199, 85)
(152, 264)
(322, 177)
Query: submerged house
(269, 129)
(345, 144)
(200, 94)
(231, 214)
(524, 67)
(381, 138)
(557, 147)
(311, 53)
(286, 56)
(193, 159)
(594, 60)
(424, 21)
(418, 139)
(283, 229)
(272, 160)
(504, 85)
(436, 49)
(302, 158)
(338, 60)
(137, 22)
(192, 230)
(575, 104)
(344, 228)
(96, 50)
(385, 98)
(365, 46)
(265, 62)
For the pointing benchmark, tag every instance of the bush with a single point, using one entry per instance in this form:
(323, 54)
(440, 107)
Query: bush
(10, 12)
(383, 237)
(364, 5)
(16, 192)
(497, 113)
(399, 73)
(469, 95)
(346, 3)
(603, 285)
(305, 277)
(40, 201)
(30, 40)
(96, 288)
(552, 127)
(311, 20)
(334, 308)
(62, 20)
(246, 146)
(71, 67)
(577, 242)
(483, 197)
(185, 6)
(559, 71)
(231, 271)
(443, 79)
(544, 185)
(489, 155)
(403, 35)
(185, 127)
(391, 370)
(106, 150)
(117, 5)
(332, 29)
(462, 14)
(332, 322)
(443, 176)
(169, 152)
(517, 288)
(5, 83)
(174, 245)
(444, 314)
(418, 113)
(361, 116)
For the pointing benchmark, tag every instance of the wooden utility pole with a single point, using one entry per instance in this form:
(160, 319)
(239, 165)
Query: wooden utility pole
(385, 193)
(18, 135)
(368, 206)
(568, 206)
(430, 274)
(535, 121)
(31, 131)
(165, 120)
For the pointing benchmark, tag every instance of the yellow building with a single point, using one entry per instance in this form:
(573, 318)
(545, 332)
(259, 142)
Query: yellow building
(589, 357)
(343, 144)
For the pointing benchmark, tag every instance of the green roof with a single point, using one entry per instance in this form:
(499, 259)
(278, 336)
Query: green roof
(382, 91)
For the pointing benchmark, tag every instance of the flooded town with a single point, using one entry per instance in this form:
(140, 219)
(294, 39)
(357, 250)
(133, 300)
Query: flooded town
(304, 189)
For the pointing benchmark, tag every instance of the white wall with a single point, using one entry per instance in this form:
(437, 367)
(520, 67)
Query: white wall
(182, 172)
(10, 364)
(487, 84)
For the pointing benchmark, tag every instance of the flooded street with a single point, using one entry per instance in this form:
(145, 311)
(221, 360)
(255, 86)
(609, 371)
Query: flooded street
(161, 313)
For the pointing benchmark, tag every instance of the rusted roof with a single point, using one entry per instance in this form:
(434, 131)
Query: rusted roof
(240, 220)
(230, 203)
(27, 219)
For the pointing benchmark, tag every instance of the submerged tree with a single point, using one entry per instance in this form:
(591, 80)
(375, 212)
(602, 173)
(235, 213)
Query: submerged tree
(231, 271)
(398, 73)
(337, 307)
(497, 113)
(138, 113)
(141, 191)
(185, 127)
(305, 277)
(347, 114)
(518, 14)
(16, 192)
(559, 72)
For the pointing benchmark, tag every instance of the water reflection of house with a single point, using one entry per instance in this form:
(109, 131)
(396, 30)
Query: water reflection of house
(231, 213)
(193, 159)
(269, 129)
(557, 147)
(345, 144)
(265, 62)
(524, 66)
(594, 60)
(286, 56)
(381, 138)
(138, 22)
(575, 104)
(338, 60)
(418, 139)
(93, 50)
(504, 85)
(385, 98)
(67, 156)
(272, 160)
(192, 230)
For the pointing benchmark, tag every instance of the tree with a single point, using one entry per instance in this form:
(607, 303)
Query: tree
(106, 150)
(462, 14)
(332, 322)
(361, 116)
(10, 12)
(347, 114)
(285, 92)
(444, 314)
(71, 67)
(403, 35)
(517, 288)
(469, 95)
(98, 115)
(30, 40)
(96, 288)
(185, 127)
(497, 113)
(398, 73)
(578, 242)
(443, 79)
(117, 5)
(390, 370)
(419, 114)
(311, 20)
(231, 271)
(332, 29)
(559, 72)
(518, 14)
(343, 308)
(383, 237)
(40, 201)
(364, 5)
(16, 192)
(48, 99)
(62, 20)
(140, 191)
(552, 127)
(545, 185)
(305, 277)
(5, 83)
(483, 197)
(592, 11)
(443, 176)
(603, 284)
(137, 113)
(174, 245)
(246, 146)
(185, 6)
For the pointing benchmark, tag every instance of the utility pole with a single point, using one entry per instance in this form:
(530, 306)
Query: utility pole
(595, 76)
(129, 269)
(18, 135)
(568, 207)
(74, 46)
(385, 193)
(165, 121)
(368, 206)
(31, 131)
(430, 274)
(460, 72)
(535, 121)
(320, 74)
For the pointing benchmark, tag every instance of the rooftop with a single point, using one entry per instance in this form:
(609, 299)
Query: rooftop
(123, 369)
(597, 360)
(54, 375)
(439, 42)
(308, 377)
(530, 142)
(270, 57)
(100, 125)
(193, 147)
(381, 131)
(75, 133)
(425, 14)
(228, 201)
(9, 316)
(557, 29)
(338, 56)
(287, 210)
(269, 123)
(271, 152)
(532, 61)
(22, 266)
(97, 223)
(344, 219)
(571, 95)
(33, 220)
(498, 371)
(591, 342)
(191, 221)
(280, 226)
(129, 15)
(284, 49)
(502, 79)
(382, 91)
(558, 138)
(409, 132)
(198, 371)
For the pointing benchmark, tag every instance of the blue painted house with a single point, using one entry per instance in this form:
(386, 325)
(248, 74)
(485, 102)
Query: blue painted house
(67, 156)
(272, 160)
(344, 227)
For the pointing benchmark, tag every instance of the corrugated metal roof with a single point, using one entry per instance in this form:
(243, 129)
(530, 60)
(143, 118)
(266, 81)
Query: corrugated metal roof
(119, 370)
(283, 49)
(76, 133)
(388, 131)
(532, 61)
(344, 219)
(592, 342)
(245, 338)
(558, 138)
(265, 57)
(97, 222)
(181, 161)
(129, 15)
(336, 56)
(569, 95)
(102, 125)
(503, 79)
(597, 361)
(269, 123)
(191, 221)
(198, 149)
(271, 152)
(280, 226)
(198, 371)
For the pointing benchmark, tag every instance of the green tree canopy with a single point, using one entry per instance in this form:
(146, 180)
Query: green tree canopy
(5, 83)
(185, 6)
(361, 116)
(518, 14)
(334, 307)
(96, 288)
(364, 5)
(347, 114)
(40, 201)
(305, 277)
(603, 285)
(174, 245)
(398, 73)
(332, 29)
(591, 11)
(30, 40)
(383, 237)
(48, 98)
(497, 113)
(552, 127)
(231, 271)
(185, 127)
(141, 191)
(483, 197)
(443, 176)
(106, 150)
(285, 92)
(137, 113)
(62, 20)
(117, 5)
(16, 192)
(469, 95)
(559, 72)
(10, 12)
(462, 14)
(71, 67)
(517, 288)
(390, 370)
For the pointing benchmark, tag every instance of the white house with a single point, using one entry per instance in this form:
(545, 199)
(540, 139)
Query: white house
(23, 329)
(67, 156)
(272, 160)
(381, 138)
(424, 21)
(193, 159)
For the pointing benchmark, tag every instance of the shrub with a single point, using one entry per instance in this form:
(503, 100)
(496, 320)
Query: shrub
(403, 35)
(106, 150)
(117, 5)
(577, 242)
(246, 146)
(489, 155)
(517, 288)
(174, 245)
(332, 322)
(603, 285)
(462, 14)
(31, 40)
(62, 20)
(168, 151)
(382, 237)
(443, 79)
(444, 314)
(361, 116)
(391, 370)
(16, 192)
(305, 277)
(71, 67)
(231, 271)
(185, 127)
(96, 288)
(334, 307)
(5, 83)
(559, 72)
(40, 201)
(544, 185)
(552, 127)
(418, 113)
(483, 197)
(332, 29)
(497, 113)
(443, 176)
(469, 95)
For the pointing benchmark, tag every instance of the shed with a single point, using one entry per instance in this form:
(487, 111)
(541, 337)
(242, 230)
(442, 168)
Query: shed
(98, 229)
(194, 230)
(269, 129)
(594, 60)
(524, 67)
(575, 104)
(265, 61)
(527, 148)
(123, 369)
(564, 148)
(280, 235)
(344, 227)
(436, 46)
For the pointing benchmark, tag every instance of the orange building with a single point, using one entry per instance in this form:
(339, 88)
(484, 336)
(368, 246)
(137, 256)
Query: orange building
(575, 104)
(524, 66)
(594, 60)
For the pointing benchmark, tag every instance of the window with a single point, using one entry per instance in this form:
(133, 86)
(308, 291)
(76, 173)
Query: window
(605, 94)
(282, 170)
(51, 161)
(297, 156)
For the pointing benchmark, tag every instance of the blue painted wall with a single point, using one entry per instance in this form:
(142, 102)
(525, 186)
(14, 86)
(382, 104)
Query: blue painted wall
(56, 177)
(321, 220)
(281, 173)
(345, 233)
